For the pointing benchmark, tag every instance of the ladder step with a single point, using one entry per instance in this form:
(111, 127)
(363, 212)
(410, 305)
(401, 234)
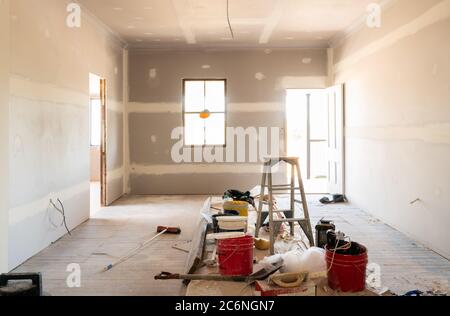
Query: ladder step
(288, 220)
(275, 211)
(295, 200)
(281, 188)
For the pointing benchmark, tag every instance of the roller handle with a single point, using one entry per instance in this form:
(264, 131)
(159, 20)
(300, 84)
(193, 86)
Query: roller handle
(169, 230)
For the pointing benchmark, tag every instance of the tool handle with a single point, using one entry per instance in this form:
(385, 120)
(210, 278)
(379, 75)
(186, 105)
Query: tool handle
(209, 277)
(169, 230)
(167, 276)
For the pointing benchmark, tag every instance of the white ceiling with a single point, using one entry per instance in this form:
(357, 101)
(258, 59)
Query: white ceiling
(267, 23)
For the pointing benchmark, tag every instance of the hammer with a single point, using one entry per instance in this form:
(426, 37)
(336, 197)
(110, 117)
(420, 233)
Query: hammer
(169, 230)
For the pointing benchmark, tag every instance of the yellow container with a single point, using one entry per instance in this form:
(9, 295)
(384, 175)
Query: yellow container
(239, 206)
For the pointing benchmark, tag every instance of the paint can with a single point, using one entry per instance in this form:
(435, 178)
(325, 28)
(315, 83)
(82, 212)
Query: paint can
(236, 256)
(239, 206)
(347, 273)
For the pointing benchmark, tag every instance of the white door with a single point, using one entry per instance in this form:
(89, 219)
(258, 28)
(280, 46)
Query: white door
(336, 139)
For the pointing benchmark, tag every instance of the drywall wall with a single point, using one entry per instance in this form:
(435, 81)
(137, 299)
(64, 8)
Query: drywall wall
(256, 87)
(4, 133)
(397, 82)
(49, 120)
(95, 164)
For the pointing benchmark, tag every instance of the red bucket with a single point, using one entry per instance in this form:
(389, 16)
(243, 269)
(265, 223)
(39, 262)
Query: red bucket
(236, 256)
(347, 273)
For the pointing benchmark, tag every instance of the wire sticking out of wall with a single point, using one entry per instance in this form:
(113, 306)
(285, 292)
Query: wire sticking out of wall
(62, 211)
(228, 19)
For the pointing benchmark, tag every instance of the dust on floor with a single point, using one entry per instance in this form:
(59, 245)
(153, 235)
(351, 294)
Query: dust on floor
(404, 265)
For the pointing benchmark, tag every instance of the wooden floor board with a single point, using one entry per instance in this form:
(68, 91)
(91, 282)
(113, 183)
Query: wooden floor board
(405, 264)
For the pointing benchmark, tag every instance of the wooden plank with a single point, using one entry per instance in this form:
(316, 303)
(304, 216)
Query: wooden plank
(195, 257)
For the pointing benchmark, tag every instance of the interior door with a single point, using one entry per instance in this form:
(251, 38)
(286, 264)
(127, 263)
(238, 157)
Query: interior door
(336, 139)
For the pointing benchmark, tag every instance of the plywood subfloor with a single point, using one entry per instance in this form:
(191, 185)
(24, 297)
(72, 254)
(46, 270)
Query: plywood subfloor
(113, 231)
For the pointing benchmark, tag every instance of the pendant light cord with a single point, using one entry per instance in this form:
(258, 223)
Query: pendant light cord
(228, 19)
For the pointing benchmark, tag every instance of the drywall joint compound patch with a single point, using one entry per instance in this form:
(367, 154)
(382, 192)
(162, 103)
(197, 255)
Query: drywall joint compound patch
(260, 76)
(153, 73)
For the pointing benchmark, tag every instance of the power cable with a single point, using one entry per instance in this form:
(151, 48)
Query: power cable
(62, 211)
(228, 19)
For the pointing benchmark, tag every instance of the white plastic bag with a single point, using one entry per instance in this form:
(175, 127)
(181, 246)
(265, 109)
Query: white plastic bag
(311, 261)
(291, 261)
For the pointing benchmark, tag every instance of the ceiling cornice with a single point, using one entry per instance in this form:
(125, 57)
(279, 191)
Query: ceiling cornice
(101, 25)
(357, 25)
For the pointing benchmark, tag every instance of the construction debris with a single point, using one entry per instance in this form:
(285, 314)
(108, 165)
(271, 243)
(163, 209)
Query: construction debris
(262, 244)
(265, 288)
(259, 275)
(195, 256)
(288, 280)
(183, 246)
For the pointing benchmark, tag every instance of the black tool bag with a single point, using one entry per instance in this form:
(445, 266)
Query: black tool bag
(239, 196)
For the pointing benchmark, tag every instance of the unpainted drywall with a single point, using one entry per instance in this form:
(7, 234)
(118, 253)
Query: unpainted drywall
(95, 164)
(49, 120)
(256, 87)
(398, 119)
(4, 132)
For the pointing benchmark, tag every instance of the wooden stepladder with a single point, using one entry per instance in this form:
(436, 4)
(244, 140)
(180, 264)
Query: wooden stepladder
(289, 214)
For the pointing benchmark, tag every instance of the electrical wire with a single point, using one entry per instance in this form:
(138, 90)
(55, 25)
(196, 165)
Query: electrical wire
(228, 19)
(62, 211)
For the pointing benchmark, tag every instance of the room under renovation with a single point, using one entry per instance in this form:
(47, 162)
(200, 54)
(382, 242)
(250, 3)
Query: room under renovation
(225, 148)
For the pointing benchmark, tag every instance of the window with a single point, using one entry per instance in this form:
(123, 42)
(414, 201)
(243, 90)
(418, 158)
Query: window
(204, 98)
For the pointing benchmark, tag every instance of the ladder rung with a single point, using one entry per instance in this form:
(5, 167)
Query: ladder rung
(285, 220)
(277, 188)
(281, 186)
(275, 211)
(282, 189)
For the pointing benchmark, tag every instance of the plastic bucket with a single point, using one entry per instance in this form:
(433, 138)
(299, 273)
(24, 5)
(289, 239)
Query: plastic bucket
(347, 273)
(239, 206)
(236, 256)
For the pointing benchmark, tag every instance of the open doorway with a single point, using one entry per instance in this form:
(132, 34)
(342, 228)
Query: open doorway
(315, 133)
(97, 117)
(307, 136)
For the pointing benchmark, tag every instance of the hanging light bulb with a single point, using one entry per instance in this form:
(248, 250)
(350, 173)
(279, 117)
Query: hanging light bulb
(205, 114)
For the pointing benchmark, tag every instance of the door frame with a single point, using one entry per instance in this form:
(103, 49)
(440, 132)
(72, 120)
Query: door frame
(103, 144)
(336, 150)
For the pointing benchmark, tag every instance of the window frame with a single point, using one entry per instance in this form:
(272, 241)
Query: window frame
(225, 112)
